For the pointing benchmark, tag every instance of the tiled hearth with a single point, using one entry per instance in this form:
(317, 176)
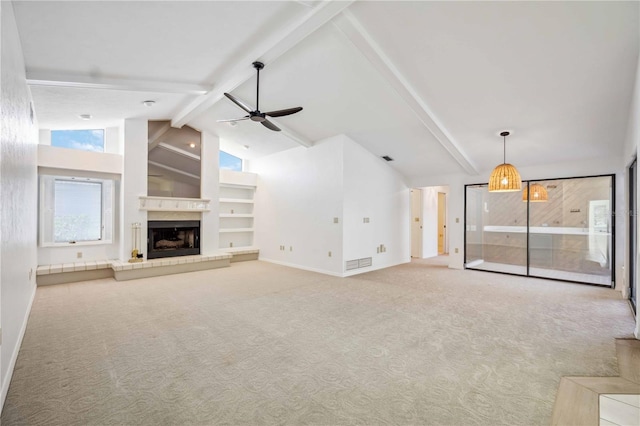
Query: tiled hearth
(122, 271)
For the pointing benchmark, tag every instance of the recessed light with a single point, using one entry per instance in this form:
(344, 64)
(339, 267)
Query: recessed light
(192, 145)
(245, 146)
(85, 116)
(387, 158)
(148, 103)
(233, 124)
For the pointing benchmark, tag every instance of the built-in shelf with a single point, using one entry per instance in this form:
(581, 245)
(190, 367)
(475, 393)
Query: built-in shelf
(225, 230)
(236, 200)
(237, 190)
(174, 204)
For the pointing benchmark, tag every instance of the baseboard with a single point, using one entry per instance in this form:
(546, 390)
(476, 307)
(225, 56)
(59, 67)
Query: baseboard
(6, 381)
(335, 274)
(304, 268)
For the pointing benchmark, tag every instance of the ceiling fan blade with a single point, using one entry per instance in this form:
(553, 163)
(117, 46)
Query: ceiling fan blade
(283, 112)
(270, 125)
(238, 102)
(233, 120)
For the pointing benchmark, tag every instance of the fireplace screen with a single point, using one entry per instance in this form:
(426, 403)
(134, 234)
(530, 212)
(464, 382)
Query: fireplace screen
(173, 238)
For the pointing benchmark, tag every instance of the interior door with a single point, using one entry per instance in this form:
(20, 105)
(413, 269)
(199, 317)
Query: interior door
(442, 222)
(416, 223)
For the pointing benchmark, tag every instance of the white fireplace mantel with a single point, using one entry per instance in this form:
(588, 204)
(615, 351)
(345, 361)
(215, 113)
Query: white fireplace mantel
(174, 204)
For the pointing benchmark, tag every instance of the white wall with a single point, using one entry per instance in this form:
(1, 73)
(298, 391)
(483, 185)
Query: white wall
(210, 179)
(72, 162)
(299, 193)
(134, 137)
(18, 192)
(374, 190)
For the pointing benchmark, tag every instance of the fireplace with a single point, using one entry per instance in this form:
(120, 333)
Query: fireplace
(170, 238)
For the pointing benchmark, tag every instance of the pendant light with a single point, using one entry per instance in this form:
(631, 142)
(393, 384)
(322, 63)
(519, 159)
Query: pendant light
(505, 177)
(538, 193)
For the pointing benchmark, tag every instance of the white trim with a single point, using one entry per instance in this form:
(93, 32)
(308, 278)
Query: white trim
(57, 79)
(6, 381)
(268, 50)
(364, 43)
(304, 268)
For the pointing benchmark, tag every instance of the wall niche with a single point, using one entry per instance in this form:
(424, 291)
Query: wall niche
(173, 161)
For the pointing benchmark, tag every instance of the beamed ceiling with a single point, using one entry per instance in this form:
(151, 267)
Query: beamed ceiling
(430, 84)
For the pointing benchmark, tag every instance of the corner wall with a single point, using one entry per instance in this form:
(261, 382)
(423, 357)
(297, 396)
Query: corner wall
(299, 193)
(375, 191)
(18, 192)
(312, 202)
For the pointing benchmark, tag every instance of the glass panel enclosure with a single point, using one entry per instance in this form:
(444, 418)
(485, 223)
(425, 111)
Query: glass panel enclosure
(496, 231)
(633, 232)
(567, 237)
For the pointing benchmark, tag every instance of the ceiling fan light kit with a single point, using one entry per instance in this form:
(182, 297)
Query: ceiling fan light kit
(505, 177)
(257, 115)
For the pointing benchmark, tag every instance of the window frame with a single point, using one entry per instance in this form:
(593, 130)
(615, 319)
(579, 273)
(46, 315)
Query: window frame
(46, 231)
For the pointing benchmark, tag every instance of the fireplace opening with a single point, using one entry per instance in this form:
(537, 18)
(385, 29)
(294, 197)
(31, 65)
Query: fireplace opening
(170, 238)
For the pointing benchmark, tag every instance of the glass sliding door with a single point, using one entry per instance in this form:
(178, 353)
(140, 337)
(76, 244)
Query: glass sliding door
(633, 232)
(559, 229)
(496, 231)
(570, 233)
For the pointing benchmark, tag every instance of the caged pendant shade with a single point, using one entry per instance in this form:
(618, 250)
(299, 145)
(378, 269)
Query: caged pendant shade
(538, 193)
(505, 177)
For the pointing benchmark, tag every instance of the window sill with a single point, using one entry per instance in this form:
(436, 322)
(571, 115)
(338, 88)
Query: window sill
(79, 243)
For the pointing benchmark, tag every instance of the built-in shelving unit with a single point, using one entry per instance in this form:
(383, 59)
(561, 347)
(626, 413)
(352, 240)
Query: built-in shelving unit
(236, 210)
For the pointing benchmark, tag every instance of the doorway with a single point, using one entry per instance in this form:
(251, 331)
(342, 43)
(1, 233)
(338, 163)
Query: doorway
(442, 223)
(429, 222)
(416, 223)
(633, 232)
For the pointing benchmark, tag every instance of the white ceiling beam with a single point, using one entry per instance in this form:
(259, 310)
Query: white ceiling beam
(348, 24)
(154, 138)
(41, 78)
(268, 50)
(179, 151)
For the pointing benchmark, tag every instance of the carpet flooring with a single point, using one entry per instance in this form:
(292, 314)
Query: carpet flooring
(259, 343)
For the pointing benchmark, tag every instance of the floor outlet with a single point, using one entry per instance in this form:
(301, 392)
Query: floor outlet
(79, 255)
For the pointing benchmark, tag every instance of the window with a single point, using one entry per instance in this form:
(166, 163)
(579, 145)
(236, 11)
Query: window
(75, 210)
(86, 140)
(230, 162)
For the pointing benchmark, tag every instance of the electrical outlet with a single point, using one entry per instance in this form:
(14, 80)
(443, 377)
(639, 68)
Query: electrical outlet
(329, 254)
(79, 255)
(231, 244)
(335, 220)
(290, 248)
(457, 220)
(455, 250)
(377, 249)
(30, 273)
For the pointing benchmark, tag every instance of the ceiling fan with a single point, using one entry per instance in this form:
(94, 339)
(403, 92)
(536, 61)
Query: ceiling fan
(256, 115)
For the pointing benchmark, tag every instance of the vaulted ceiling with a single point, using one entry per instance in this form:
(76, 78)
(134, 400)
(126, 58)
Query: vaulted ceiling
(430, 84)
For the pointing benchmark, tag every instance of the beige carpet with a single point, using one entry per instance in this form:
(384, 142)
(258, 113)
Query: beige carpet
(258, 343)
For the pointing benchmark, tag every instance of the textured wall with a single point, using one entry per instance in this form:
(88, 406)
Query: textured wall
(18, 195)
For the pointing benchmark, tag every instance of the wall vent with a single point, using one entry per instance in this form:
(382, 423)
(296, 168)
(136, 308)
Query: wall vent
(387, 158)
(358, 263)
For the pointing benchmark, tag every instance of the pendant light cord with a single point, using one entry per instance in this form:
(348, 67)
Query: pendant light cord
(504, 150)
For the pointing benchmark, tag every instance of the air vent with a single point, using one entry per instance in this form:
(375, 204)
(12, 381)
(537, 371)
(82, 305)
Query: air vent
(358, 263)
(387, 158)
